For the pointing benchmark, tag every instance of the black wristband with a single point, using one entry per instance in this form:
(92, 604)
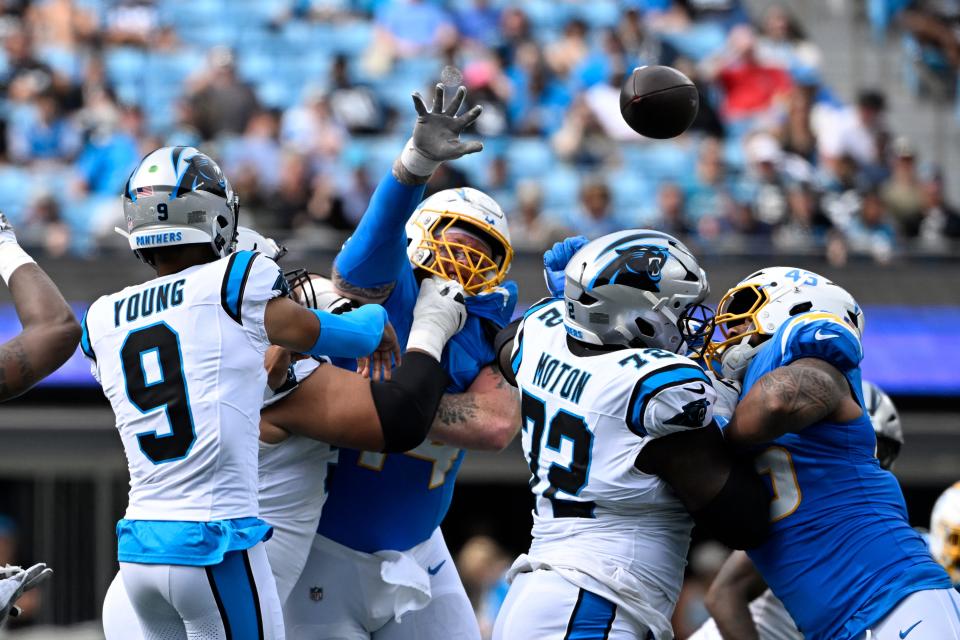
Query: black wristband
(407, 404)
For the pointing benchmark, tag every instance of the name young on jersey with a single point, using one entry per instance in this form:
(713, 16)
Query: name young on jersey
(146, 303)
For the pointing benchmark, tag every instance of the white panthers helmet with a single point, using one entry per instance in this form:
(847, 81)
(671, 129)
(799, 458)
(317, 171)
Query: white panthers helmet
(771, 296)
(945, 531)
(178, 196)
(468, 210)
(250, 240)
(635, 288)
(886, 423)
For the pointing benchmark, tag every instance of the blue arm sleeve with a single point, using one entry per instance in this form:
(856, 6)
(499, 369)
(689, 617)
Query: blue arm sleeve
(377, 251)
(349, 335)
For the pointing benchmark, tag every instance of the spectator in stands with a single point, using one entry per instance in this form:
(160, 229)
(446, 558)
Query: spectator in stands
(405, 29)
(109, 154)
(221, 102)
(594, 217)
(795, 132)
(537, 101)
(871, 232)
(44, 133)
(843, 192)
(767, 180)
(514, 31)
(286, 206)
(581, 140)
(807, 226)
(62, 25)
(355, 194)
(859, 132)
(708, 122)
(44, 227)
(939, 222)
(564, 55)
(482, 564)
(671, 215)
(479, 23)
(355, 105)
(934, 24)
(530, 227)
(751, 87)
(903, 193)
(782, 42)
(258, 151)
(312, 129)
(24, 76)
(488, 86)
(446, 177)
(132, 22)
(707, 190)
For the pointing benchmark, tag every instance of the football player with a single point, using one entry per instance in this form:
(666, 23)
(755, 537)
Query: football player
(742, 606)
(841, 555)
(619, 435)
(945, 532)
(379, 567)
(49, 337)
(180, 358)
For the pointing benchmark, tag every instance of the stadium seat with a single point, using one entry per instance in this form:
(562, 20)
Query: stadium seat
(560, 188)
(699, 41)
(13, 196)
(529, 158)
(124, 64)
(599, 14)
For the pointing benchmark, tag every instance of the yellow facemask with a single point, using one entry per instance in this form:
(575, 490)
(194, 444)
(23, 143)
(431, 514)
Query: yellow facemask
(726, 319)
(474, 269)
(950, 556)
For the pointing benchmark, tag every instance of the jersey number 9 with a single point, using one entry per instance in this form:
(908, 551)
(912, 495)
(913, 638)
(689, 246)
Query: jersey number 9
(154, 351)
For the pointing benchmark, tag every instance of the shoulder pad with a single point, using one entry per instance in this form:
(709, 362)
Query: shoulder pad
(820, 335)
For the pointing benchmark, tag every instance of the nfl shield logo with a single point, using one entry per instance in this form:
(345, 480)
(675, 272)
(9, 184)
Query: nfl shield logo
(316, 594)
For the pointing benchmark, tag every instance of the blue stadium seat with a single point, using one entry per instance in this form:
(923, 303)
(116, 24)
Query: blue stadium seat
(599, 14)
(277, 94)
(699, 41)
(13, 195)
(546, 15)
(529, 158)
(351, 38)
(560, 188)
(124, 64)
(632, 190)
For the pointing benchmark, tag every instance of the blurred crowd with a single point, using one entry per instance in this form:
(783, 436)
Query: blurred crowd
(305, 103)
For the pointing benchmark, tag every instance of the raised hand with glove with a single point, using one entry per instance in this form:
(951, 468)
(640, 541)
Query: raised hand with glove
(440, 313)
(436, 137)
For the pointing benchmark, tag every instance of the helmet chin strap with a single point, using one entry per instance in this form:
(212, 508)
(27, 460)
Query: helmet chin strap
(736, 358)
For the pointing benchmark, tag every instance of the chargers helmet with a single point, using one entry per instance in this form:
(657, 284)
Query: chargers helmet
(768, 298)
(886, 423)
(177, 196)
(945, 531)
(635, 288)
(250, 240)
(469, 210)
(315, 291)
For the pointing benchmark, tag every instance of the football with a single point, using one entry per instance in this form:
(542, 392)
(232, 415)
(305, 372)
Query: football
(658, 102)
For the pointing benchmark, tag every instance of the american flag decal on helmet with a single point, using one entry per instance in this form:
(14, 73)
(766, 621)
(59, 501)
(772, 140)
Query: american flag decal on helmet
(144, 191)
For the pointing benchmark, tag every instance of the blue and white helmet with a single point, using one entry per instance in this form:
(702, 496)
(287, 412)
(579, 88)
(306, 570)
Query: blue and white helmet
(177, 196)
(886, 423)
(634, 288)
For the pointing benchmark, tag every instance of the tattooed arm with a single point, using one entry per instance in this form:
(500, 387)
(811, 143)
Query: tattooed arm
(484, 418)
(50, 332)
(790, 399)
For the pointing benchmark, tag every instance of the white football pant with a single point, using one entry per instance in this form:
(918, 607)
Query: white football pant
(343, 594)
(541, 605)
(234, 600)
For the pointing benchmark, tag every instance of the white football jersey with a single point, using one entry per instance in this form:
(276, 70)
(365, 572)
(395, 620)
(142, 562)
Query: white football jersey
(585, 420)
(293, 478)
(180, 358)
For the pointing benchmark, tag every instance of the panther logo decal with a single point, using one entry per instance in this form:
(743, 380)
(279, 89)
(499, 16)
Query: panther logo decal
(639, 266)
(693, 414)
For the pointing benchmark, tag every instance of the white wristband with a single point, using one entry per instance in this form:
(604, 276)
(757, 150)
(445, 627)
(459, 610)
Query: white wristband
(426, 339)
(12, 257)
(415, 162)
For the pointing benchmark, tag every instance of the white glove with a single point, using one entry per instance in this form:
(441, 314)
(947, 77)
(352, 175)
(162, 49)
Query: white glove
(436, 136)
(728, 395)
(14, 581)
(11, 255)
(736, 358)
(440, 313)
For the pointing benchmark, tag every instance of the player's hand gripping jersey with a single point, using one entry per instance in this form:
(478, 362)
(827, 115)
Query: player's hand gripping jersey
(839, 531)
(608, 527)
(180, 358)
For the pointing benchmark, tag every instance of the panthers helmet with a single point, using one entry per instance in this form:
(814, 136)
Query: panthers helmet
(886, 422)
(770, 297)
(315, 291)
(250, 240)
(178, 196)
(468, 210)
(945, 531)
(635, 288)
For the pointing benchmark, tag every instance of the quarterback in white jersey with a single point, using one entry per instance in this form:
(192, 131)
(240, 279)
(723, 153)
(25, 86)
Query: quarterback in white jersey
(181, 358)
(732, 598)
(619, 435)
